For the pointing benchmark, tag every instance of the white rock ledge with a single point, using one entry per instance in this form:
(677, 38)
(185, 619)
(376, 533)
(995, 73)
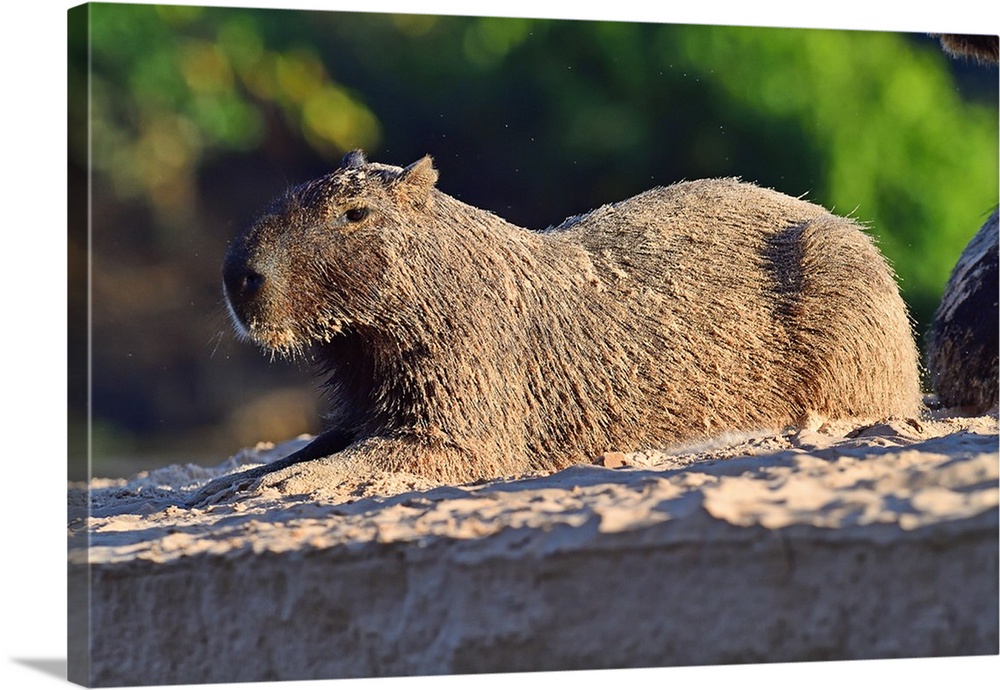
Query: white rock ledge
(879, 543)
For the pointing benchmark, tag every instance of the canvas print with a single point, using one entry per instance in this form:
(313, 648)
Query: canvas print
(411, 344)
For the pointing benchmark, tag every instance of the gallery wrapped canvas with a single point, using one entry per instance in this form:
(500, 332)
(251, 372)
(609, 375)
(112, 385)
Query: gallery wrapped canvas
(428, 344)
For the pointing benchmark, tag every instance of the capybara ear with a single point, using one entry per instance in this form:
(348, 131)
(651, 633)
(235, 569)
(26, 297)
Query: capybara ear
(354, 159)
(417, 180)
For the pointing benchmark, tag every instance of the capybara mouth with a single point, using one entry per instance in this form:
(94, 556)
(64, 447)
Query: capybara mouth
(282, 341)
(293, 341)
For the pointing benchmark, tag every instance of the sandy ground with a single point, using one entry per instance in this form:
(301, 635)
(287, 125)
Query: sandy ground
(905, 473)
(843, 542)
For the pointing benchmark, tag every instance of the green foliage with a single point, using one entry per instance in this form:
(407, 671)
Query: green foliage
(901, 150)
(173, 85)
(873, 118)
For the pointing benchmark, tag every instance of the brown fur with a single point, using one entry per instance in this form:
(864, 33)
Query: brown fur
(459, 346)
(981, 48)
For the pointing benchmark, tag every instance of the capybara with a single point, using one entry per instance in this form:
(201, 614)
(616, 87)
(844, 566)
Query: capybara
(456, 345)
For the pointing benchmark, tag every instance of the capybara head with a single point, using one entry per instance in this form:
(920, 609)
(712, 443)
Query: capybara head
(320, 259)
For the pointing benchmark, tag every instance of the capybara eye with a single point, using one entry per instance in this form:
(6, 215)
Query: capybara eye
(356, 215)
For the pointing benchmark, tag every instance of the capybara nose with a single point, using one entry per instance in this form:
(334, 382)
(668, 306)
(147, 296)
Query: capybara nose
(241, 281)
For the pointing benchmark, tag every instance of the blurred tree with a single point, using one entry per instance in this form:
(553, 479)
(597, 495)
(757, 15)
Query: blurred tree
(199, 115)
(175, 85)
(901, 150)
